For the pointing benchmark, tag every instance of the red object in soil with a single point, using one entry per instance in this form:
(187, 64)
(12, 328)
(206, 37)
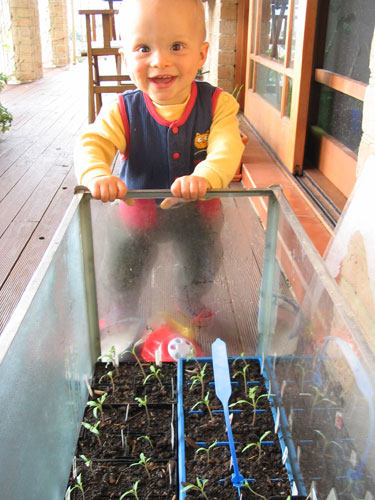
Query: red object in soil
(173, 346)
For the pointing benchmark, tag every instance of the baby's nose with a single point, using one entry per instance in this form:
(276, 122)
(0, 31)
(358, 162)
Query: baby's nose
(160, 58)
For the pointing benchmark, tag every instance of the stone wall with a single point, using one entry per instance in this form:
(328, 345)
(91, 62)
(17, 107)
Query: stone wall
(221, 21)
(59, 32)
(26, 39)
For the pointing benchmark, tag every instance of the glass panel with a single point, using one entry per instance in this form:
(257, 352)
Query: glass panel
(296, 13)
(254, 25)
(350, 30)
(42, 376)
(269, 85)
(273, 29)
(341, 116)
(251, 73)
(326, 374)
(289, 97)
(183, 267)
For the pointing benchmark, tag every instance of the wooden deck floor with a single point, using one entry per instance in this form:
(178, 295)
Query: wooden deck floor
(36, 174)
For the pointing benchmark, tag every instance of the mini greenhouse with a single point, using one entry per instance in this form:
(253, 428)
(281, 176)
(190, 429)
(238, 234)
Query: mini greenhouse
(270, 299)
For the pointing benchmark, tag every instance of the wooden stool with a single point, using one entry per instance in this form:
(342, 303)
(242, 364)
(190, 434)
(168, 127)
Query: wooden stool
(110, 6)
(96, 89)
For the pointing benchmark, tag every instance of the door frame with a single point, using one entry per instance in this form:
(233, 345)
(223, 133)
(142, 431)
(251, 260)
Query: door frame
(285, 135)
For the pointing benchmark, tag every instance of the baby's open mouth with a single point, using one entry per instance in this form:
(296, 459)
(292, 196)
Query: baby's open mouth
(163, 81)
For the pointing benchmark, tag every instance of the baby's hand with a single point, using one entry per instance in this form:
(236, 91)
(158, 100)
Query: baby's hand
(190, 187)
(107, 188)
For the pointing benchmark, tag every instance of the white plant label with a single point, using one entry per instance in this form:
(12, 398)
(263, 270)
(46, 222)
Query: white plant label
(170, 473)
(172, 435)
(353, 458)
(285, 455)
(290, 419)
(172, 386)
(262, 365)
(116, 358)
(368, 496)
(338, 420)
(332, 495)
(298, 453)
(158, 356)
(269, 390)
(313, 491)
(294, 490)
(283, 385)
(274, 362)
(74, 468)
(277, 420)
(89, 387)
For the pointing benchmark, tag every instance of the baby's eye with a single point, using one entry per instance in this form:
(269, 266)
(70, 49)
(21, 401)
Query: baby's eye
(177, 46)
(143, 48)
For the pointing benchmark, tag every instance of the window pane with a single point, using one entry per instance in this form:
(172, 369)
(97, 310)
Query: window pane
(273, 29)
(350, 30)
(296, 13)
(269, 85)
(289, 98)
(341, 116)
(254, 24)
(251, 73)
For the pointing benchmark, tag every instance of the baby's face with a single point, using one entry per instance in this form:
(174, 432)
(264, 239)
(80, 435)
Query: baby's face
(164, 47)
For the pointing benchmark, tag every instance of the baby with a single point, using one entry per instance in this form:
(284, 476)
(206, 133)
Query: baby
(174, 133)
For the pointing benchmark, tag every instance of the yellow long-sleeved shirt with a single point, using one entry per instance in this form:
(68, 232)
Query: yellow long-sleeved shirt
(97, 147)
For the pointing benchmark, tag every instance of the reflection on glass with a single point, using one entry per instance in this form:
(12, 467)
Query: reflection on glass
(289, 97)
(294, 33)
(149, 272)
(251, 73)
(254, 23)
(341, 116)
(350, 30)
(273, 29)
(327, 383)
(269, 85)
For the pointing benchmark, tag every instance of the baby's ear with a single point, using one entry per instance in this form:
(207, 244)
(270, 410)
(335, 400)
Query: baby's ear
(203, 52)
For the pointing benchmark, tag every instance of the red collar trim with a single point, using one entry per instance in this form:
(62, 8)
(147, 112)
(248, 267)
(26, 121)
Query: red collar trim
(185, 115)
(125, 122)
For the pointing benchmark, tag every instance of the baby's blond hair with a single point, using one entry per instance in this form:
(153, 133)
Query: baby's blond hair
(201, 24)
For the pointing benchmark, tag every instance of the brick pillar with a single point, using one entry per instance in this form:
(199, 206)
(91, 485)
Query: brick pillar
(221, 16)
(26, 40)
(59, 32)
(227, 45)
